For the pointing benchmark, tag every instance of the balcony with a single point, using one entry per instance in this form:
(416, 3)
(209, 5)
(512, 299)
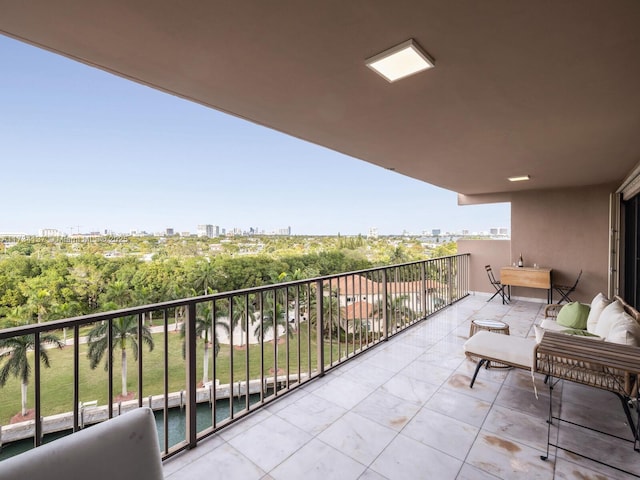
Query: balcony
(384, 395)
(405, 410)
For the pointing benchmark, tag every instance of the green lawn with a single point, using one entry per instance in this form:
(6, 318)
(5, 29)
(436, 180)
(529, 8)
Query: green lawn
(57, 381)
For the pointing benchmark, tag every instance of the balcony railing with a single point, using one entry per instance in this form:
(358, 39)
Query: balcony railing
(219, 357)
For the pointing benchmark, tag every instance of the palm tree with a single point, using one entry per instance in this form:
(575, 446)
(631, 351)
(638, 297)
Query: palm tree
(274, 315)
(397, 310)
(14, 354)
(244, 310)
(205, 324)
(331, 312)
(124, 333)
(205, 276)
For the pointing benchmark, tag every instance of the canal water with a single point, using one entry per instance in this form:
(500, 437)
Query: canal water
(177, 424)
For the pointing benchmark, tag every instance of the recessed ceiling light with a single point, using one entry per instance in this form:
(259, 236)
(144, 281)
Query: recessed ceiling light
(400, 61)
(520, 178)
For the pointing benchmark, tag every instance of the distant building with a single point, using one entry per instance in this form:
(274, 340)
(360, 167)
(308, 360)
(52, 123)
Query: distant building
(208, 231)
(50, 232)
(465, 232)
(373, 232)
(435, 232)
(169, 232)
(493, 231)
(503, 231)
(284, 231)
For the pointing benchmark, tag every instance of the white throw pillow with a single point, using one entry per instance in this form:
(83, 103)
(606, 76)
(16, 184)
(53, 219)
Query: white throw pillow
(608, 317)
(539, 332)
(598, 305)
(625, 330)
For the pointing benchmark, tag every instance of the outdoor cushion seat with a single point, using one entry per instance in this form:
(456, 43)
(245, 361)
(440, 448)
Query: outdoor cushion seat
(123, 448)
(506, 349)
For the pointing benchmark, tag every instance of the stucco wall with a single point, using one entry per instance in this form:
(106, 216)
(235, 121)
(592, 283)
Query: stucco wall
(564, 229)
(567, 230)
(485, 252)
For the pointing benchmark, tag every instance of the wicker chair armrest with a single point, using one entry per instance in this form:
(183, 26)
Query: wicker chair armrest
(551, 310)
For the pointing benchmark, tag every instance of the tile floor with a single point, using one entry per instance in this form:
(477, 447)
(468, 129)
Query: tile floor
(404, 410)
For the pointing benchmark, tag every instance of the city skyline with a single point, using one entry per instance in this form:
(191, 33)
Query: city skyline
(83, 149)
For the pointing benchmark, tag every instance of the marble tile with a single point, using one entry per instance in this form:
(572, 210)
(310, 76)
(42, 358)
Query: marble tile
(187, 457)
(286, 400)
(469, 472)
(311, 413)
(483, 389)
(507, 459)
(248, 421)
(269, 442)
(426, 372)
(409, 389)
(461, 407)
(612, 451)
(606, 416)
(224, 462)
(525, 400)
(441, 432)
(566, 470)
(358, 437)
(522, 379)
(448, 360)
(512, 424)
(369, 375)
(406, 458)
(344, 392)
(371, 475)
(493, 374)
(387, 410)
(318, 461)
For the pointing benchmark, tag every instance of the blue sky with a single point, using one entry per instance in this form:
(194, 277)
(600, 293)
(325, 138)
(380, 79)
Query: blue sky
(81, 147)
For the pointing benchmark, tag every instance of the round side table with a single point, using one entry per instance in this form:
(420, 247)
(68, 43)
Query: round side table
(495, 326)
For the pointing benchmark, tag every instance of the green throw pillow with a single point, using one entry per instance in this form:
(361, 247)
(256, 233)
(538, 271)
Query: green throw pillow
(582, 333)
(574, 315)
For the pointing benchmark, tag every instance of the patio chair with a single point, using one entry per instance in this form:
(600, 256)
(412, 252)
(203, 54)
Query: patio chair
(566, 290)
(500, 289)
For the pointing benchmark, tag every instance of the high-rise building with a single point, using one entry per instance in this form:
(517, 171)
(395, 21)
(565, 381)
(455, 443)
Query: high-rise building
(169, 232)
(435, 232)
(208, 231)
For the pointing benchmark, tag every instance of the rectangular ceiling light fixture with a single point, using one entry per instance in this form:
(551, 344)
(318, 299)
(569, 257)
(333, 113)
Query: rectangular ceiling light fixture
(400, 61)
(520, 178)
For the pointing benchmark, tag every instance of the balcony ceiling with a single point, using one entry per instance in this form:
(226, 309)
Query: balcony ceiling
(545, 88)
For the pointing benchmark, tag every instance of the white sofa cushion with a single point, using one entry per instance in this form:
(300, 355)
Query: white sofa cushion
(516, 351)
(608, 317)
(598, 304)
(625, 330)
(550, 324)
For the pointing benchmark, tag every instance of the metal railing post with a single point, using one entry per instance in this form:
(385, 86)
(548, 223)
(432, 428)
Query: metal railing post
(190, 356)
(385, 319)
(449, 280)
(140, 353)
(425, 291)
(37, 380)
(320, 326)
